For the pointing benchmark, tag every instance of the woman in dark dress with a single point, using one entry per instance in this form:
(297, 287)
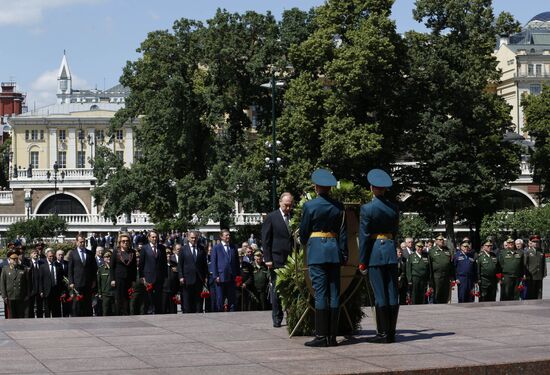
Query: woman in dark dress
(123, 272)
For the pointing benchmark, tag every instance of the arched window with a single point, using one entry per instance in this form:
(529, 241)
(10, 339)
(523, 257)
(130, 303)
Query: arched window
(61, 204)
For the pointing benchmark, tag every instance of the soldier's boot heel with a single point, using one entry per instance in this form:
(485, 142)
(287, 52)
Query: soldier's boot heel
(321, 329)
(382, 325)
(333, 331)
(394, 312)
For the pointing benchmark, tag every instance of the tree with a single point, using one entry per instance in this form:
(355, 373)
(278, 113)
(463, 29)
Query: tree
(37, 228)
(463, 162)
(536, 109)
(506, 24)
(415, 227)
(340, 112)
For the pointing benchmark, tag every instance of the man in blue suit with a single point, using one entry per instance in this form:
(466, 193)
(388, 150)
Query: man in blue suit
(153, 270)
(225, 268)
(378, 229)
(323, 232)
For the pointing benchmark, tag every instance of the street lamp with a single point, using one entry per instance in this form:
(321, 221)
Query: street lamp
(55, 178)
(28, 203)
(274, 162)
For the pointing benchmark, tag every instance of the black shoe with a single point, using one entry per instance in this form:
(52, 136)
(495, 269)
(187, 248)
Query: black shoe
(382, 325)
(277, 324)
(378, 339)
(317, 342)
(331, 341)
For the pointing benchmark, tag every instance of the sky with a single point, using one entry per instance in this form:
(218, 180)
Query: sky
(99, 36)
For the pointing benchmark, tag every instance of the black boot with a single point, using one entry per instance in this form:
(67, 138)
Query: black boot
(394, 312)
(333, 331)
(382, 323)
(321, 329)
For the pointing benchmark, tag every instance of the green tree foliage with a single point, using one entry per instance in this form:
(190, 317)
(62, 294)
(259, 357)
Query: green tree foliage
(341, 109)
(414, 226)
(463, 162)
(536, 109)
(37, 228)
(506, 24)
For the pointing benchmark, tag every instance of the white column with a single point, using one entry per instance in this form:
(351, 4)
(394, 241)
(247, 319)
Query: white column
(52, 148)
(71, 148)
(129, 146)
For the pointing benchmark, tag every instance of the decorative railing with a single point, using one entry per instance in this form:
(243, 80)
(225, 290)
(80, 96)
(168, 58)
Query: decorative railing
(6, 197)
(42, 174)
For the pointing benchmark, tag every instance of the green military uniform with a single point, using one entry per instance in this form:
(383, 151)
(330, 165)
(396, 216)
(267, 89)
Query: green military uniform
(15, 288)
(418, 274)
(105, 290)
(535, 270)
(261, 283)
(247, 289)
(487, 269)
(511, 262)
(441, 273)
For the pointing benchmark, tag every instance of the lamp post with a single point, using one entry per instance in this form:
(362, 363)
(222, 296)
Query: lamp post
(274, 162)
(55, 178)
(28, 202)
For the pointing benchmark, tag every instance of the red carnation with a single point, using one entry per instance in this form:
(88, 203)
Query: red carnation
(176, 299)
(520, 287)
(131, 292)
(205, 294)
(238, 281)
(63, 298)
(362, 267)
(70, 299)
(79, 297)
(149, 288)
(429, 292)
(499, 276)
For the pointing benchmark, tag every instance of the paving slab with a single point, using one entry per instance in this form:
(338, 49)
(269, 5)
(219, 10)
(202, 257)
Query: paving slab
(479, 338)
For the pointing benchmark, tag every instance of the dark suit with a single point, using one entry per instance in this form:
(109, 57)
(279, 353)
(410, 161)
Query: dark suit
(51, 285)
(66, 306)
(123, 271)
(35, 301)
(225, 265)
(277, 244)
(194, 269)
(153, 268)
(83, 276)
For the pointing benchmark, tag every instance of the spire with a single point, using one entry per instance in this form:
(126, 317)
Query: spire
(64, 80)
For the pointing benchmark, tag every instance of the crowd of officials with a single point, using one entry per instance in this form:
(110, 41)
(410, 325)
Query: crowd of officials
(135, 273)
(428, 273)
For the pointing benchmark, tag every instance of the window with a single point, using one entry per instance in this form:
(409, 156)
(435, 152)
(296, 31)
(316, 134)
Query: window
(119, 135)
(100, 135)
(26, 135)
(34, 159)
(34, 135)
(62, 159)
(81, 159)
(535, 89)
(62, 135)
(538, 70)
(41, 135)
(530, 70)
(80, 134)
(120, 155)
(511, 62)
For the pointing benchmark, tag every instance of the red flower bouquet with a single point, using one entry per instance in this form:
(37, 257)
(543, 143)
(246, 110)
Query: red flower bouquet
(429, 292)
(79, 297)
(499, 276)
(131, 292)
(205, 292)
(149, 288)
(176, 299)
(64, 298)
(238, 281)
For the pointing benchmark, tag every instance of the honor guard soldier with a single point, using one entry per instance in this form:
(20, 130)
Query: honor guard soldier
(466, 272)
(487, 269)
(418, 274)
(323, 232)
(511, 262)
(535, 268)
(15, 286)
(441, 270)
(378, 229)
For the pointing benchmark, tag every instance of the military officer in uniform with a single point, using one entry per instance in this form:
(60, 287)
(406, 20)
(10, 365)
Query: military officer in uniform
(535, 268)
(378, 229)
(487, 269)
(323, 232)
(418, 274)
(466, 272)
(511, 262)
(261, 281)
(105, 291)
(15, 286)
(441, 270)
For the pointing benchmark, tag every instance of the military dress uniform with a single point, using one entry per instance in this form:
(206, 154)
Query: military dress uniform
(323, 232)
(379, 223)
(466, 273)
(247, 288)
(511, 262)
(441, 273)
(418, 274)
(261, 283)
(487, 269)
(535, 270)
(105, 290)
(15, 286)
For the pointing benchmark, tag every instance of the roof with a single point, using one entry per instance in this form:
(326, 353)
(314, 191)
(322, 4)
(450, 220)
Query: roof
(68, 108)
(544, 17)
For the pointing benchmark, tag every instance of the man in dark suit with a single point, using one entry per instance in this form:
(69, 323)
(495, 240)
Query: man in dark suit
(82, 277)
(153, 270)
(225, 268)
(277, 244)
(51, 283)
(65, 306)
(36, 304)
(192, 270)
